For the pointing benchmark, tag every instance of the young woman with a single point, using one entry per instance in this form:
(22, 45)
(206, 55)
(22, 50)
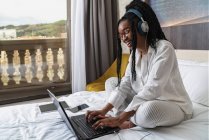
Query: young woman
(151, 93)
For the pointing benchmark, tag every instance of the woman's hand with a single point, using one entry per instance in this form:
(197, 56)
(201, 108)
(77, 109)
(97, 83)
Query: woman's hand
(107, 121)
(90, 115)
(113, 121)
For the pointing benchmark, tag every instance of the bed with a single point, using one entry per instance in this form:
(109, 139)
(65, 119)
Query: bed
(26, 122)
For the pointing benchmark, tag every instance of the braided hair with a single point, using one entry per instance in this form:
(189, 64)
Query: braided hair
(155, 32)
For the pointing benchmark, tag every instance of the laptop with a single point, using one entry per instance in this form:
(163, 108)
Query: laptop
(78, 125)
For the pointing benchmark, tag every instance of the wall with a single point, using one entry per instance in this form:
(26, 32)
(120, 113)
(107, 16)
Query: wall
(122, 4)
(175, 12)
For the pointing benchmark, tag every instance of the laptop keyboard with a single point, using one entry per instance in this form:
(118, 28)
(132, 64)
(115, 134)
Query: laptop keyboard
(86, 126)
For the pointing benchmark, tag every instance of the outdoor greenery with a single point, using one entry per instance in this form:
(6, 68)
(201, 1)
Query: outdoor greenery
(48, 30)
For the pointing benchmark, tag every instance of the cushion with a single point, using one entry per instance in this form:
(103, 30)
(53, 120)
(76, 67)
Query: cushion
(195, 79)
(110, 84)
(95, 86)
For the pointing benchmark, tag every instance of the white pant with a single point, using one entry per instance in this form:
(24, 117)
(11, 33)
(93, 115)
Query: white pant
(158, 113)
(155, 113)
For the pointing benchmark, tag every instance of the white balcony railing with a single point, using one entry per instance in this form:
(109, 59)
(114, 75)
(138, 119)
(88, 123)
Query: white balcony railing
(29, 74)
(42, 61)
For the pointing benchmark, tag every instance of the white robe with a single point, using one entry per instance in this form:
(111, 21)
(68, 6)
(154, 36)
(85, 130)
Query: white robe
(158, 78)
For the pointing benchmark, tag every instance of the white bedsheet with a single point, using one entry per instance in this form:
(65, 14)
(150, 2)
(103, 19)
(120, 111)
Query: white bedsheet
(25, 122)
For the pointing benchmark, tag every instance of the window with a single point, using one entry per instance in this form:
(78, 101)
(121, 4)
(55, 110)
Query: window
(34, 49)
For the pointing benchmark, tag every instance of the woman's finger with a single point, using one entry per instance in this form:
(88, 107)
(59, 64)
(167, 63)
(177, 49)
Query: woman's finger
(96, 124)
(87, 114)
(100, 126)
(102, 116)
(91, 115)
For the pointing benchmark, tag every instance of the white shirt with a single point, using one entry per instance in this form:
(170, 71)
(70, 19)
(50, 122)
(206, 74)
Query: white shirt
(158, 78)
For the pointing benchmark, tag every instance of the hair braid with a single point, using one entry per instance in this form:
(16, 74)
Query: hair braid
(119, 59)
(134, 43)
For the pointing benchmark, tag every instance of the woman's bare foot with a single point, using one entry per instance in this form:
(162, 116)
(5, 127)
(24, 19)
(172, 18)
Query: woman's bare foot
(126, 125)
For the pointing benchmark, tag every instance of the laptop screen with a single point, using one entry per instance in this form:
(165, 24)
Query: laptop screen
(61, 111)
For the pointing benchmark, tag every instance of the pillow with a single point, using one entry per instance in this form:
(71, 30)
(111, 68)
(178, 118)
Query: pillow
(195, 79)
(110, 84)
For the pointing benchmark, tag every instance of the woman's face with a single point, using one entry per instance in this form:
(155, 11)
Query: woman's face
(125, 34)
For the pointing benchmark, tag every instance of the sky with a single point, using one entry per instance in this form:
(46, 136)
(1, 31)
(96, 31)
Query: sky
(20, 12)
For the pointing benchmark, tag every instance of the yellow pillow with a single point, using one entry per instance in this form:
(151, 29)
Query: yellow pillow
(99, 84)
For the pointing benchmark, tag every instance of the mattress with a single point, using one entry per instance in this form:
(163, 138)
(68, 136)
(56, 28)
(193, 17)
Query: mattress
(26, 122)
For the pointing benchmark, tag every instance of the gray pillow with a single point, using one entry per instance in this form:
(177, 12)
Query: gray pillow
(111, 84)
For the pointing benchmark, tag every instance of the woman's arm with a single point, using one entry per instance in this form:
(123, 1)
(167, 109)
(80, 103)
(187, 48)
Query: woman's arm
(107, 108)
(118, 96)
(125, 116)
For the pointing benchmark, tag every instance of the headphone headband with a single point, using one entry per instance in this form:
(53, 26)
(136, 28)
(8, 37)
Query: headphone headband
(136, 12)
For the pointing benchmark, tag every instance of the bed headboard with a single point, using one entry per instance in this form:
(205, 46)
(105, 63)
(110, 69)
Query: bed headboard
(193, 55)
(190, 36)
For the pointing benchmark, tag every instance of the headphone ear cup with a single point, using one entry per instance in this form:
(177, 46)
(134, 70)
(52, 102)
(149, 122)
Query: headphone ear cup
(139, 29)
(145, 27)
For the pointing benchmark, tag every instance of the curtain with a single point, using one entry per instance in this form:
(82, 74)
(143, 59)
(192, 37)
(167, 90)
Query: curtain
(93, 34)
(100, 35)
(78, 72)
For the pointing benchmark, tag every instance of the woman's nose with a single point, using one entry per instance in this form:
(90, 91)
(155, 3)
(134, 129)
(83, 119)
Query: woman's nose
(124, 37)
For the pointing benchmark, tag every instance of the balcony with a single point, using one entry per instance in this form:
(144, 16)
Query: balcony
(28, 67)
